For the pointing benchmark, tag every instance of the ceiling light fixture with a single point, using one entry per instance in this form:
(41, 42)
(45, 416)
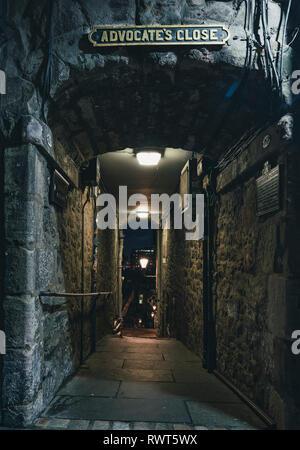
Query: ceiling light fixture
(148, 158)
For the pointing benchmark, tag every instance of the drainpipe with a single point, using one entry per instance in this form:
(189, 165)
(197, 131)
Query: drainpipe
(121, 246)
(82, 275)
(205, 284)
(93, 289)
(209, 332)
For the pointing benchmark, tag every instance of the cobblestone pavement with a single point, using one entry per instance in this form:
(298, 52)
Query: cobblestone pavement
(145, 384)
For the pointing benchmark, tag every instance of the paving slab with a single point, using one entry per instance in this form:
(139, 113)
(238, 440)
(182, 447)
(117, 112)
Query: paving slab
(86, 384)
(58, 423)
(181, 426)
(101, 425)
(129, 355)
(144, 426)
(137, 340)
(128, 348)
(162, 365)
(206, 392)
(155, 383)
(224, 415)
(112, 348)
(121, 426)
(78, 425)
(163, 426)
(42, 423)
(93, 362)
(171, 346)
(180, 355)
(127, 374)
(146, 410)
(192, 376)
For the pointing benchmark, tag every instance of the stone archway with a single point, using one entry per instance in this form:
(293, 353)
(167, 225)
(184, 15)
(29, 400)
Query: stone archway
(96, 103)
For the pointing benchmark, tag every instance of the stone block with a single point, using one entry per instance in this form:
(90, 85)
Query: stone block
(58, 424)
(121, 426)
(56, 329)
(21, 375)
(181, 426)
(25, 414)
(78, 425)
(21, 321)
(20, 271)
(144, 426)
(21, 220)
(34, 131)
(46, 268)
(276, 316)
(42, 423)
(25, 171)
(101, 425)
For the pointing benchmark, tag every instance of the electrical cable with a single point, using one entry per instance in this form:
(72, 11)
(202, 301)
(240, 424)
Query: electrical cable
(49, 70)
(273, 75)
(283, 41)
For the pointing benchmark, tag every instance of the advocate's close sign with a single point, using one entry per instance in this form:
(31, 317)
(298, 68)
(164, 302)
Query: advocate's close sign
(159, 35)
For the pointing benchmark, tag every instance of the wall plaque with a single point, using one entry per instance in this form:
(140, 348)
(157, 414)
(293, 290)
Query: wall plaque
(59, 188)
(268, 191)
(108, 36)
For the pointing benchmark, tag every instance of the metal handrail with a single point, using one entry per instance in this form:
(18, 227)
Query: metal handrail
(76, 294)
(70, 294)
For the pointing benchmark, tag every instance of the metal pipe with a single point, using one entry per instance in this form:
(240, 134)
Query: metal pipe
(256, 409)
(286, 19)
(82, 276)
(120, 259)
(209, 334)
(205, 287)
(71, 294)
(211, 318)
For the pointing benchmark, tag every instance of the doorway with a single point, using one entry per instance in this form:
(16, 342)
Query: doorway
(139, 293)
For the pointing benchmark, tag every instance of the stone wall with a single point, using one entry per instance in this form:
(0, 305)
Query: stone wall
(250, 279)
(107, 279)
(43, 333)
(22, 365)
(182, 289)
(254, 276)
(244, 285)
(69, 222)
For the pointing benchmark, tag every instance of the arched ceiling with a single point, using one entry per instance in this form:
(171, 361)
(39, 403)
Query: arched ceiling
(134, 105)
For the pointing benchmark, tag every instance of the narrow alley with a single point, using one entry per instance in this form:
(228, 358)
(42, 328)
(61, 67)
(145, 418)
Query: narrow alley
(146, 384)
(150, 205)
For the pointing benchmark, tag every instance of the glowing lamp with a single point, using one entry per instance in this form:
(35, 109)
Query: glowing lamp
(144, 262)
(148, 158)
